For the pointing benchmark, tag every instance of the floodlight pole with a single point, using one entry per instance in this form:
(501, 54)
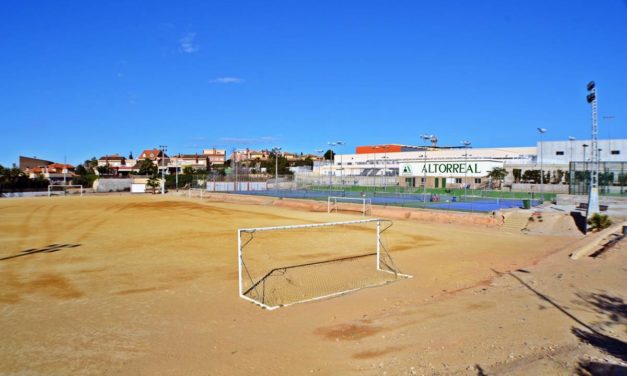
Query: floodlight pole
(542, 132)
(163, 149)
(593, 196)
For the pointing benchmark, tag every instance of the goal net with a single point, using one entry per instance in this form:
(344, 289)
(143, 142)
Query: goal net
(195, 192)
(359, 204)
(64, 189)
(284, 265)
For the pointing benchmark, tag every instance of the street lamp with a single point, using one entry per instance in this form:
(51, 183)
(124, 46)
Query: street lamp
(466, 143)
(426, 138)
(163, 149)
(276, 151)
(542, 132)
(570, 162)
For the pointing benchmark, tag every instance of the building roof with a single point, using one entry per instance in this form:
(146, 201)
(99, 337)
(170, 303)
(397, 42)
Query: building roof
(150, 154)
(114, 157)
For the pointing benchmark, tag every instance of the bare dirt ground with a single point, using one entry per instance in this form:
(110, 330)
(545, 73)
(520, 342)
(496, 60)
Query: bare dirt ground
(146, 285)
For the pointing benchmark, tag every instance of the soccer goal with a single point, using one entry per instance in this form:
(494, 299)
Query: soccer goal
(285, 265)
(65, 189)
(195, 192)
(359, 204)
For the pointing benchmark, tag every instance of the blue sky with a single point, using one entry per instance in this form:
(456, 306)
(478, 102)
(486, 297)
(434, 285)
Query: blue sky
(83, 79)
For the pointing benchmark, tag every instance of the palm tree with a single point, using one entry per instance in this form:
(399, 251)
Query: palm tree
(498, 174)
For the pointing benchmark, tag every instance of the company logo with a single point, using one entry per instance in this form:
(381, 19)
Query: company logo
(407, 169)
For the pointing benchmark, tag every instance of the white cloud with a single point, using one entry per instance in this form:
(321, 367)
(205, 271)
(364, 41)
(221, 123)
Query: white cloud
(187, 43)
(249, 140)
(227, 80)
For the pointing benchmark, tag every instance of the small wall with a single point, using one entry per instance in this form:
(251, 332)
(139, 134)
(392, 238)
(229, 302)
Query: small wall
(546, 188)
(24, 194)
(112, 185)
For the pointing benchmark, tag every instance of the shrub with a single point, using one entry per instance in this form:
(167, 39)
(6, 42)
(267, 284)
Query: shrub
(599, 222)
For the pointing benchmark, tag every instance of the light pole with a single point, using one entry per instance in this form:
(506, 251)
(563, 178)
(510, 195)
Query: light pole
(321, 155)
(542, 132)
(176, 171)
(163, 149)
(466, 143)
(235, 168)
(593, 196)
(426, 138)
(585, 163)
(385, 167)
(570, 162)
(276, 151)
(338, 143)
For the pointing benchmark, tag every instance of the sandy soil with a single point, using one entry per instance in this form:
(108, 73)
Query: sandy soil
(146, 285)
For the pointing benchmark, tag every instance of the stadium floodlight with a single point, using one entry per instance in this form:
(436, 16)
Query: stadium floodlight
(542, 132)
(272, 274)
(466, 143)
(591, 85)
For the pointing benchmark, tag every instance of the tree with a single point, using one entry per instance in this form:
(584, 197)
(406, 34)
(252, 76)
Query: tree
(80, 170)
(153, 182)
(517, 175)
(497, 174)
(329, 155)
(188, 170)
(147, 168)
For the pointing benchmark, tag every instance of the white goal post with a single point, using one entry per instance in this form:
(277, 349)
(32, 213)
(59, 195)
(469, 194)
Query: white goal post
(65, 188)
(192, 191)
(334, 201)
(285, 280)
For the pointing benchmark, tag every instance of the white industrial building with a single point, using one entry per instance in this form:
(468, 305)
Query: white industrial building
(443, 167)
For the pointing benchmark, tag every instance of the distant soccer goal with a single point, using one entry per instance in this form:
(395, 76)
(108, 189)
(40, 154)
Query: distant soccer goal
(284, 265)
(359, 204)
(64, 189)
(196, 192)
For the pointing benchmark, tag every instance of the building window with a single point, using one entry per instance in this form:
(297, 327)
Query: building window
(422, 180)
(458, 180)
(477, 180)
(615, 152)
(559, 153)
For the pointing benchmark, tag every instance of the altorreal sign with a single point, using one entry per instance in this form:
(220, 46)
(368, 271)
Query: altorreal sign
(470, 168)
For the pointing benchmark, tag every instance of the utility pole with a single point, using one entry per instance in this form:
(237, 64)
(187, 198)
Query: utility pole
(593, 195)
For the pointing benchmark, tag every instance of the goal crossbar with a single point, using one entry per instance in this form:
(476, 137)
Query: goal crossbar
(366, 203)
(64, 186)
(380, 251)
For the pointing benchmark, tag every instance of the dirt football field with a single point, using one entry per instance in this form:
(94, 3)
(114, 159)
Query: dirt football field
(148, 285)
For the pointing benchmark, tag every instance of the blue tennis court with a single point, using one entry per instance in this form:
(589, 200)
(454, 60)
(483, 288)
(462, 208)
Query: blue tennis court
(414, 200)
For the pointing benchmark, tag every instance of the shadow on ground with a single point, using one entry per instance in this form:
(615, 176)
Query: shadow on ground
(47, 249)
